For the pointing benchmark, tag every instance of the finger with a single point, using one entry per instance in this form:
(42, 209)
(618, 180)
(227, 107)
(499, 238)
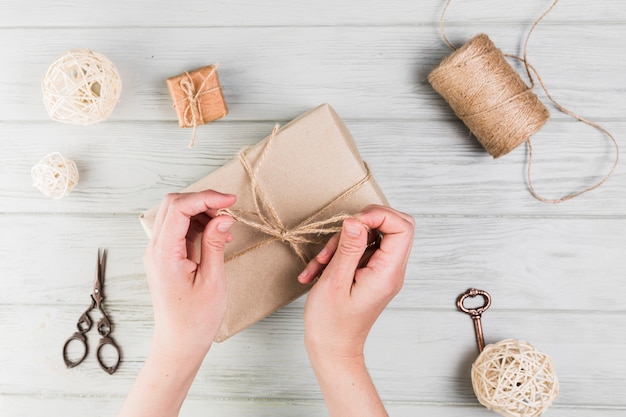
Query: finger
(180, 209)
(196, 229)
(315, 267)
(388, 221)
(317, 264)
(193, 248)
(373, 243)
(166, 206)
(158, 220)
(214, 239)
(352, 244)
(397, 229)
(199, 222)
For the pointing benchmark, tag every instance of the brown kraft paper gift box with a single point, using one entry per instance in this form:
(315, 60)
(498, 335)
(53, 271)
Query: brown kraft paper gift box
(306, 170)
(197, 97)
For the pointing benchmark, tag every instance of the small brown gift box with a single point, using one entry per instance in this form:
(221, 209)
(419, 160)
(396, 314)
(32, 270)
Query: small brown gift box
(197, 96)
(308, 171)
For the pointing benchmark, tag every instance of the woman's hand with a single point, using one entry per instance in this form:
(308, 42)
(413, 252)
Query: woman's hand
(343, 305)
(188, 283)
(346, 301)
(188, 287)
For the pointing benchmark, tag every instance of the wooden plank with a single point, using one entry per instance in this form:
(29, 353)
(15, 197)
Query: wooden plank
(526, 263)
(18, 406)
(425, 168)
(373, 72)
(193, 13)
(421, 356)
(554, 271)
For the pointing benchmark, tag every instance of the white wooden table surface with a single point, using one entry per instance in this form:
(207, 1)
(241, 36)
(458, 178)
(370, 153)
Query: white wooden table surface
(556, 272)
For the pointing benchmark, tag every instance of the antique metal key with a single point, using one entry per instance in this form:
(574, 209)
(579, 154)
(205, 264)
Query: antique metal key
(475, 313)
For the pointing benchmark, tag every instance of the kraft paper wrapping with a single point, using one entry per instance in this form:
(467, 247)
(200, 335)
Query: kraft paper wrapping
(197, 96)
(311, 161)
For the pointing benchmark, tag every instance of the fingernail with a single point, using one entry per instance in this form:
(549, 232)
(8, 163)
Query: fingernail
(353, 230)
(322, 253)
(224, 226)
(302, 275)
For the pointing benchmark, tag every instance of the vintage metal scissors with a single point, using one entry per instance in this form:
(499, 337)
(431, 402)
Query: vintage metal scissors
(104, 325)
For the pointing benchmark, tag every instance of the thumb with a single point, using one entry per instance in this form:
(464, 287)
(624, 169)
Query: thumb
(350, 249)
(214, 238)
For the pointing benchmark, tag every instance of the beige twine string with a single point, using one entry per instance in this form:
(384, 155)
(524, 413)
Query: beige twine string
(306, 232)
(531, 70)
(192, 114)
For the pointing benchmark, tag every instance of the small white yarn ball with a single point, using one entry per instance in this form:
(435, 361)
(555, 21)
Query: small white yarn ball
(513, 379)
(81, 87)
(55, 176)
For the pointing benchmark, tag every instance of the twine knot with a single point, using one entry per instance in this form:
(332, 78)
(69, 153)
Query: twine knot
(265, 218)
(193, 111)
(285, 235)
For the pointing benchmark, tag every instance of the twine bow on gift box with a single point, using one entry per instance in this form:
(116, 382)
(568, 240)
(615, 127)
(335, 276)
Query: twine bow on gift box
(192, 115)
(269, 223)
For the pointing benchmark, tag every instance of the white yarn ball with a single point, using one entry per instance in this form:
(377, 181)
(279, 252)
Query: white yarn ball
(54, 175)
(513, 379)
(81, 87)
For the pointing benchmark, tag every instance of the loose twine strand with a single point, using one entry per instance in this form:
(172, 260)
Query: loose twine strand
(532, 70)
(192, 115)
(269, 223)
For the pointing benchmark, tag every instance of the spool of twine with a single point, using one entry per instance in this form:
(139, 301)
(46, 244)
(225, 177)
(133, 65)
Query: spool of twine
(489, 96)
(81, 87)
(500, 110)
(514, 379)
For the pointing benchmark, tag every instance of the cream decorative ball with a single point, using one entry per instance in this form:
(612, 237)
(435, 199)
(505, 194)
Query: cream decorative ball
(513, 379)
(81, 87)
(55, 176)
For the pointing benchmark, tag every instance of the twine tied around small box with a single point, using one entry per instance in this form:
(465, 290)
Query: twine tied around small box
(306, 232)
(189, 98)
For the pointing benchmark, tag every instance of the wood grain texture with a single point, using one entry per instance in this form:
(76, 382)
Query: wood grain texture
(101, 407)
(269, 73)
(419, 356)
(129, 167)
(501, 254)
(194, 13)
(556, 272)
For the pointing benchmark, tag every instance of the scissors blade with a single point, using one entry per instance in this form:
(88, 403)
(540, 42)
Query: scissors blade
(98, 296)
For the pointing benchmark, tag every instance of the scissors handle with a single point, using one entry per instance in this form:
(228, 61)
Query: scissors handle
(106, 340)
(80, 336)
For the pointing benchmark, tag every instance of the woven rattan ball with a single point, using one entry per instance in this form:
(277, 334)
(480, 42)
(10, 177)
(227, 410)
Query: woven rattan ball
(81, 87)
(54, 175)
(513, 379)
